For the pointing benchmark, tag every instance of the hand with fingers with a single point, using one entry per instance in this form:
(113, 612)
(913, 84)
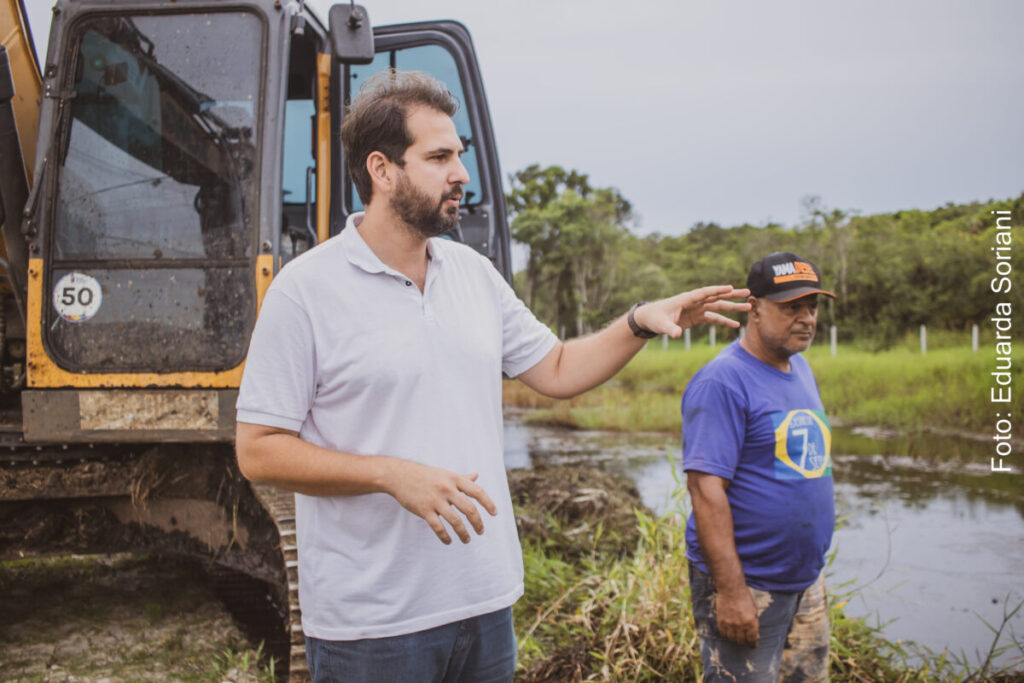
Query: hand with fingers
(436, 494)
(705, 305)
(737, 616)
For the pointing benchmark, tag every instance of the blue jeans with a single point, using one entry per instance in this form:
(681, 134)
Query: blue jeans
(477, 650)
(793, 631)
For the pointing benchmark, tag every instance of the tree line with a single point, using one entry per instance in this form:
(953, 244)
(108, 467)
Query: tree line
(891, 272)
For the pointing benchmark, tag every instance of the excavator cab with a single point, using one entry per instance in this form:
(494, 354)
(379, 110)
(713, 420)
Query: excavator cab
(177, 172)
(186, 151)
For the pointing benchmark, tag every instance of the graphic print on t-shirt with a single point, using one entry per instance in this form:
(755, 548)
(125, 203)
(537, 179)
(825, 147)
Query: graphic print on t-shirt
(803, 444)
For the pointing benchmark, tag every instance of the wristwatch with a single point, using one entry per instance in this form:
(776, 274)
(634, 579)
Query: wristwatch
(637, 330)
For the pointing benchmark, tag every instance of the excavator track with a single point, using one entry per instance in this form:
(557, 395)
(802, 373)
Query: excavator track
(280, 505)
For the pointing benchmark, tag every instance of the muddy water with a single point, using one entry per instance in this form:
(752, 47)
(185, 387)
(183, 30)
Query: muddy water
(931, 544)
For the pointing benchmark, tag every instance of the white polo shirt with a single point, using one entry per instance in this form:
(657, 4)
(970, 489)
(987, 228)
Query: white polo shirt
(349, 353)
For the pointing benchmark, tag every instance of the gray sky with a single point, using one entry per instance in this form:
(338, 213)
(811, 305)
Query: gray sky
(732, 111)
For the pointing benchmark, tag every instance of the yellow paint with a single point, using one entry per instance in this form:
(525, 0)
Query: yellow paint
(44, 373)
(27, 94)
(323, 147)
(264, 275)
(28, 85)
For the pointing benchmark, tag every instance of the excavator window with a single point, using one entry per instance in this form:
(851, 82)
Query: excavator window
(157, 194)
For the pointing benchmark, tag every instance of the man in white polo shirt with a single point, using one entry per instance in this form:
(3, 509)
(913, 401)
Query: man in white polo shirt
(372, 389)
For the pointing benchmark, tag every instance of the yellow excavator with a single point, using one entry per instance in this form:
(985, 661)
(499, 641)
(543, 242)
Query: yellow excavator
(157, 168)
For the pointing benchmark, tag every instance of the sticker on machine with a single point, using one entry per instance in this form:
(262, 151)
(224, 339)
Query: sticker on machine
(77, 297)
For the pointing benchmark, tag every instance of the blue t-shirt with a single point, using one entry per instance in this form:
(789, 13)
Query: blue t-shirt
(765, 431)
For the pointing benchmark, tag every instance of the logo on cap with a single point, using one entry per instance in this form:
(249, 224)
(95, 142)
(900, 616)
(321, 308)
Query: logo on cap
(794, 270)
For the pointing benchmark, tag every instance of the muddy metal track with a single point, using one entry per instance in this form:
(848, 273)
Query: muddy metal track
(281, 506)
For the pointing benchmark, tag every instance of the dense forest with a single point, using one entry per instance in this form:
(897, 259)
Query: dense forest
(891, 272)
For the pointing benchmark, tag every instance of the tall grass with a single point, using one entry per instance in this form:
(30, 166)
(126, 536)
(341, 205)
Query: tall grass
(628, 618)
(945, 389)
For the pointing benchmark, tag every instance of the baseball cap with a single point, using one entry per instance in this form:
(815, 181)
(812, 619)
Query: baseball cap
(784, 276)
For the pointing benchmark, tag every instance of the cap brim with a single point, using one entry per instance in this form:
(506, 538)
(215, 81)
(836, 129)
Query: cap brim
(790, 294)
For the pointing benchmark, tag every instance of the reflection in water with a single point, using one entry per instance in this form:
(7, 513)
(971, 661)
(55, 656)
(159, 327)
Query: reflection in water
(929, 547)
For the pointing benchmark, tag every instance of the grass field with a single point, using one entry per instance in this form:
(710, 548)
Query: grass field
(946, 389)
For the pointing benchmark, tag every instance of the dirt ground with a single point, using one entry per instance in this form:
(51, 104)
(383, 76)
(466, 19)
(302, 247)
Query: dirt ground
(121, 618)
(141, 618)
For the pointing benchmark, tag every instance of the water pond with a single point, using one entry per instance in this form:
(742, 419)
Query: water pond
(931, 546)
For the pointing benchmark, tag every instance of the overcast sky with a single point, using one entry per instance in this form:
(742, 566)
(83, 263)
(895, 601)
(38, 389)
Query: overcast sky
(732, 111)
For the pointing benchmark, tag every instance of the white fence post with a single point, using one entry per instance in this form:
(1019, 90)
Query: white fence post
(664, 341)
(974, 338)
(924, 339)
(712, 337)
(686, 338)
(832, 339)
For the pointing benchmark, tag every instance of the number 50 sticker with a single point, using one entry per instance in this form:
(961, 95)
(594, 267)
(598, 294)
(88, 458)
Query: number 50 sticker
(77, 297)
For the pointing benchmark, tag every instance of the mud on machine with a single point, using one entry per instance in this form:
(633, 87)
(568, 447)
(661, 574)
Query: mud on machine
(157, 169)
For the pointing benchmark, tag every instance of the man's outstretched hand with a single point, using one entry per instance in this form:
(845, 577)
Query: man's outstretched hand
(705, 305)
(436, 494)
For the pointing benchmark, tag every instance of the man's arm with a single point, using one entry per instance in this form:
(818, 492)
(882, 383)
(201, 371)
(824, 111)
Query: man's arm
(737, 615)
(572, 367)
(280, 457)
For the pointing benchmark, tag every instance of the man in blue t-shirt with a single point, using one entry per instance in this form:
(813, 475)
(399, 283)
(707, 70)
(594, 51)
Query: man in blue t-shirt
(756, 451)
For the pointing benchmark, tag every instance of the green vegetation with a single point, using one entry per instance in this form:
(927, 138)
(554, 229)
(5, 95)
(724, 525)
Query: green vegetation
(629, 619)
(576, 234)
(946, 389)
(892, 272)
(596, 609)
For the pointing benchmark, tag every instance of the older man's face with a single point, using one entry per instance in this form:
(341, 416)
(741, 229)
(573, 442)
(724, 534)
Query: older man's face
(787, 328)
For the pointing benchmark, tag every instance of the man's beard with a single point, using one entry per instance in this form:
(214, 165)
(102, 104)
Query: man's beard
(425, 216)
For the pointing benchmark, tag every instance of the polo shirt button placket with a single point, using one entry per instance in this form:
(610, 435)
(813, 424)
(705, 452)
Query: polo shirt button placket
(425, 309)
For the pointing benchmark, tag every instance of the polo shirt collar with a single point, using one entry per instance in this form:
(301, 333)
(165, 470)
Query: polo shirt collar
(360, 255)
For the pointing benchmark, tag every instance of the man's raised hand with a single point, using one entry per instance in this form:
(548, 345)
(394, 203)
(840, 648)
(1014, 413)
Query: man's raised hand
(705, 305)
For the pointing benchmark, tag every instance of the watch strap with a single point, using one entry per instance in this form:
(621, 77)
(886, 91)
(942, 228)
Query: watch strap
(636, 329)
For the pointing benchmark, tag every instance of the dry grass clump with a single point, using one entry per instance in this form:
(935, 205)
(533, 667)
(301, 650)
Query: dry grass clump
(515, 393)
(626, 619)
(575, 511)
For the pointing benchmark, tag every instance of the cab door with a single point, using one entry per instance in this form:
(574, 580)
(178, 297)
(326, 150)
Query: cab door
(444, 50)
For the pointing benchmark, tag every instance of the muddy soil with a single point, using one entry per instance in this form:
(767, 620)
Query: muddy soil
(120, 618)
